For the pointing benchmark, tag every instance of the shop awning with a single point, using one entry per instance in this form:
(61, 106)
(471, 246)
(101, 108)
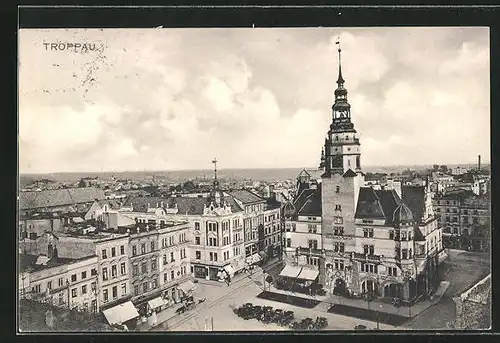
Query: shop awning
(156, 302)
(308, 274)
(121, 313)
(186, 286)
(229, 269)
(290, 271)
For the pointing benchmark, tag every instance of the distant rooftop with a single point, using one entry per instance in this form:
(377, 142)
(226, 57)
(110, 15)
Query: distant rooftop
(59, 197)
(28, 263)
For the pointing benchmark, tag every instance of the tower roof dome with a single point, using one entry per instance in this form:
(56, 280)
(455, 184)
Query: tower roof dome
(402, 215)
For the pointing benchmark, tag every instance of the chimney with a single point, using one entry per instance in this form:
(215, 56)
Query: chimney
(478, 162)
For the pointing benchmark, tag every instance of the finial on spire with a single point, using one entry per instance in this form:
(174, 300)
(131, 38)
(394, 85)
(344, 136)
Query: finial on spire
(340, 80)
(215, 167)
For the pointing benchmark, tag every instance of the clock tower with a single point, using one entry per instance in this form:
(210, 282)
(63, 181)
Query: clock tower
(341, 179)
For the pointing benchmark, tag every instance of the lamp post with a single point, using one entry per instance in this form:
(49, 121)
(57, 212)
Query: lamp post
(378, 317)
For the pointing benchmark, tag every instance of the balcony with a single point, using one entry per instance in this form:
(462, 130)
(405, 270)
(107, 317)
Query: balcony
(309, 251)
(367, 258)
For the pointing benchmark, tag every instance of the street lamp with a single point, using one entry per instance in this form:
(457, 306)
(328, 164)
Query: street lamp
(378, 317)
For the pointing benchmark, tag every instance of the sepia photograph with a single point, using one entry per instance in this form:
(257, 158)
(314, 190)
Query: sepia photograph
(254, 179)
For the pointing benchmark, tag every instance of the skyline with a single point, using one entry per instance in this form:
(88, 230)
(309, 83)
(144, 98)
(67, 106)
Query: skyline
(238, 95)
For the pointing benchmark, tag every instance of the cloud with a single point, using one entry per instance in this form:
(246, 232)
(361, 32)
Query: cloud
(176, 98)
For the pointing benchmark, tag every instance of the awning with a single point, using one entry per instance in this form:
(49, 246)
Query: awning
(308, 274)
(229, 269)
(186, 286)
(121, 313)
(290, 271)
(156, 302)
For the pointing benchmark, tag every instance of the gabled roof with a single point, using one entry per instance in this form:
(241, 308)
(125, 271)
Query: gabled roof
(377, 204)
(349, 173)
(414, 198)
(59, 197)
(246, 196)
(304, 172)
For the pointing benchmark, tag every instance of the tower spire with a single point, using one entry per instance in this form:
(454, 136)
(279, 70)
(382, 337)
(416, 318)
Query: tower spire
(340, 80)
(215, 170)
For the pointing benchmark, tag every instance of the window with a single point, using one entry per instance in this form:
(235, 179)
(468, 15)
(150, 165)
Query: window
(172, 275)
(134, 250)
(113, 252)
(165, 278)
(165, 260)
(152, 245)
(404, 253)
(144, 267)
(338, 207)
(73, 278)
(93, 286)
(136, 289)
(211, 256)
(312, 228)
(198, 255)
(135, 269)
(115, 292)
(338, 247)
(172, 257)
(338, 230)
(113, 271)
(312, 261)
(313, 244)
(144, 287)
(60, 282)
(74, 293)
(153, 264)
(84, 289)
(212, 242)
(124, 288)
(215, 256)
(288, 242)
(143, 248)
(49, 285)
(403, 235)
(122, 250)
(368, 233)
(103, 253)
(392, 271)
(196, 226)
(123, 268)
(391, 234)
(197, 241)
(105, 295)
(104, 274)
(61, 298)
(153, 284)
(339, 264)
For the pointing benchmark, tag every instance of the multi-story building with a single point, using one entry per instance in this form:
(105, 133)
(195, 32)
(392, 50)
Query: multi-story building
(466, 220)
(111, 249)
(215, 245)
(270, 238)
(359, 239)
(62, 282)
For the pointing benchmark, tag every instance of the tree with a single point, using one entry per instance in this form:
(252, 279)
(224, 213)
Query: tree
(435, 167)
(188, 186)
(443, 169)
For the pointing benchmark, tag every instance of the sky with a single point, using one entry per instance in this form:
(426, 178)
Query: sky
(170, 99)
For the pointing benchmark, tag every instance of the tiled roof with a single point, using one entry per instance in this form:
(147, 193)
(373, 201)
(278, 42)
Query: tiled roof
(59, 197)
(377, 204)
(245, 196)
(477, 201)
(189, 205)
(414, 198)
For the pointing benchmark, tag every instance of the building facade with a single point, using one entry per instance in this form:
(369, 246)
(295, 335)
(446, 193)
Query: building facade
(353, 239)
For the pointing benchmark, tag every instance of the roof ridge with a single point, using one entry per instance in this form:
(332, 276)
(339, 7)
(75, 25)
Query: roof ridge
(305, 202)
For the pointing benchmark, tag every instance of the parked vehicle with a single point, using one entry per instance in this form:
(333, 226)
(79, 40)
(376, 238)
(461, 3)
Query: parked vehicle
(360, 327)
(321, 323)
(181, 310)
